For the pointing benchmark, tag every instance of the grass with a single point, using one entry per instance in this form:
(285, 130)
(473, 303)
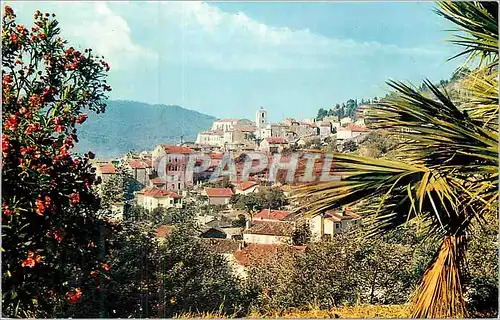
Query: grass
(357, 311)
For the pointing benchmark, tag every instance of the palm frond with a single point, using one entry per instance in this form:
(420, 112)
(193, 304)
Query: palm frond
(478, 27)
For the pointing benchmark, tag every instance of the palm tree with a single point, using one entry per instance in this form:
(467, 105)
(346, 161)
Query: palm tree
(446, 171)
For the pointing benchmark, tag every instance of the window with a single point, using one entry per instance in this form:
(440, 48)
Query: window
(179, 186)
(263, 115)
(337, 226)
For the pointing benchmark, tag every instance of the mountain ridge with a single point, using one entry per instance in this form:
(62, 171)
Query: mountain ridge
(137, 126)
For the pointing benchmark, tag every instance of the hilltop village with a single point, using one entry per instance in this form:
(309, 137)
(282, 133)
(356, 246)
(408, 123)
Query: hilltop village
(256, 214)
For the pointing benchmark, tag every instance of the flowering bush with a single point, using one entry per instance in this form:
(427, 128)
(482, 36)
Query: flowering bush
(52, 234)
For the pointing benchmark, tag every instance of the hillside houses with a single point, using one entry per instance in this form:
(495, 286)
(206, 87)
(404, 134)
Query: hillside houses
(244, 134)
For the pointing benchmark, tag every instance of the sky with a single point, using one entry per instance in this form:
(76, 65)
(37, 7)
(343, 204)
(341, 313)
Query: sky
(227, 59)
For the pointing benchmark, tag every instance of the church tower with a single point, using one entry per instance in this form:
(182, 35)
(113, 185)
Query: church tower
(261, 118)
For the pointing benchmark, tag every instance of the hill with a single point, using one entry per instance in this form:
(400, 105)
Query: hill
(135, 126)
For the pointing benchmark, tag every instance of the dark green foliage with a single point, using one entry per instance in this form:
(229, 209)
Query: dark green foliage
(346, 269)
(240, 222)
(135, 126)
(272, 198)
(194, 279)
(302, 234)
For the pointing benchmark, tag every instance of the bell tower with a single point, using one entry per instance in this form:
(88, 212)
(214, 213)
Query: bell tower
(261, 118)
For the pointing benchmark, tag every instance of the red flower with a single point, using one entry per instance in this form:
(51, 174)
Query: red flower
(8, 11)
(11, 123)
(59, 128)
(32, 260)
(6, 80)
(5, 142)
(75, 198)
(74, 296)
(30, 263)
(20, 28)
(57, 120)
(81, 118)
(35, 100)
(6, 211)
(40, 207)
(33, 127)
(57, 236)
(106, 267)
(13, 37)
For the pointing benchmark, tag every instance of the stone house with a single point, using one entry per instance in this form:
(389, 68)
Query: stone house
(173, 161)
(273, 144)
(140, 170)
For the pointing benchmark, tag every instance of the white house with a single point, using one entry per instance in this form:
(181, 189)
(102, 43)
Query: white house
(151, 198)
(332, 222)
(352, 131)
(210, 138)
(245, 187)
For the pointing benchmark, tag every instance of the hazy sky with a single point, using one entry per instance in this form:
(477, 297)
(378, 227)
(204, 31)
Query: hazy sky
(229, 58)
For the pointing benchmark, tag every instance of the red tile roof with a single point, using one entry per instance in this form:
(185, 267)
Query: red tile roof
(245, 185)
(338, 216)
(139, 164)
(278, 140)
(158, 193)
(219, 192)
(107, 168)
(176, 149)
(274, 228)
(272, 214)
(158, 181)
